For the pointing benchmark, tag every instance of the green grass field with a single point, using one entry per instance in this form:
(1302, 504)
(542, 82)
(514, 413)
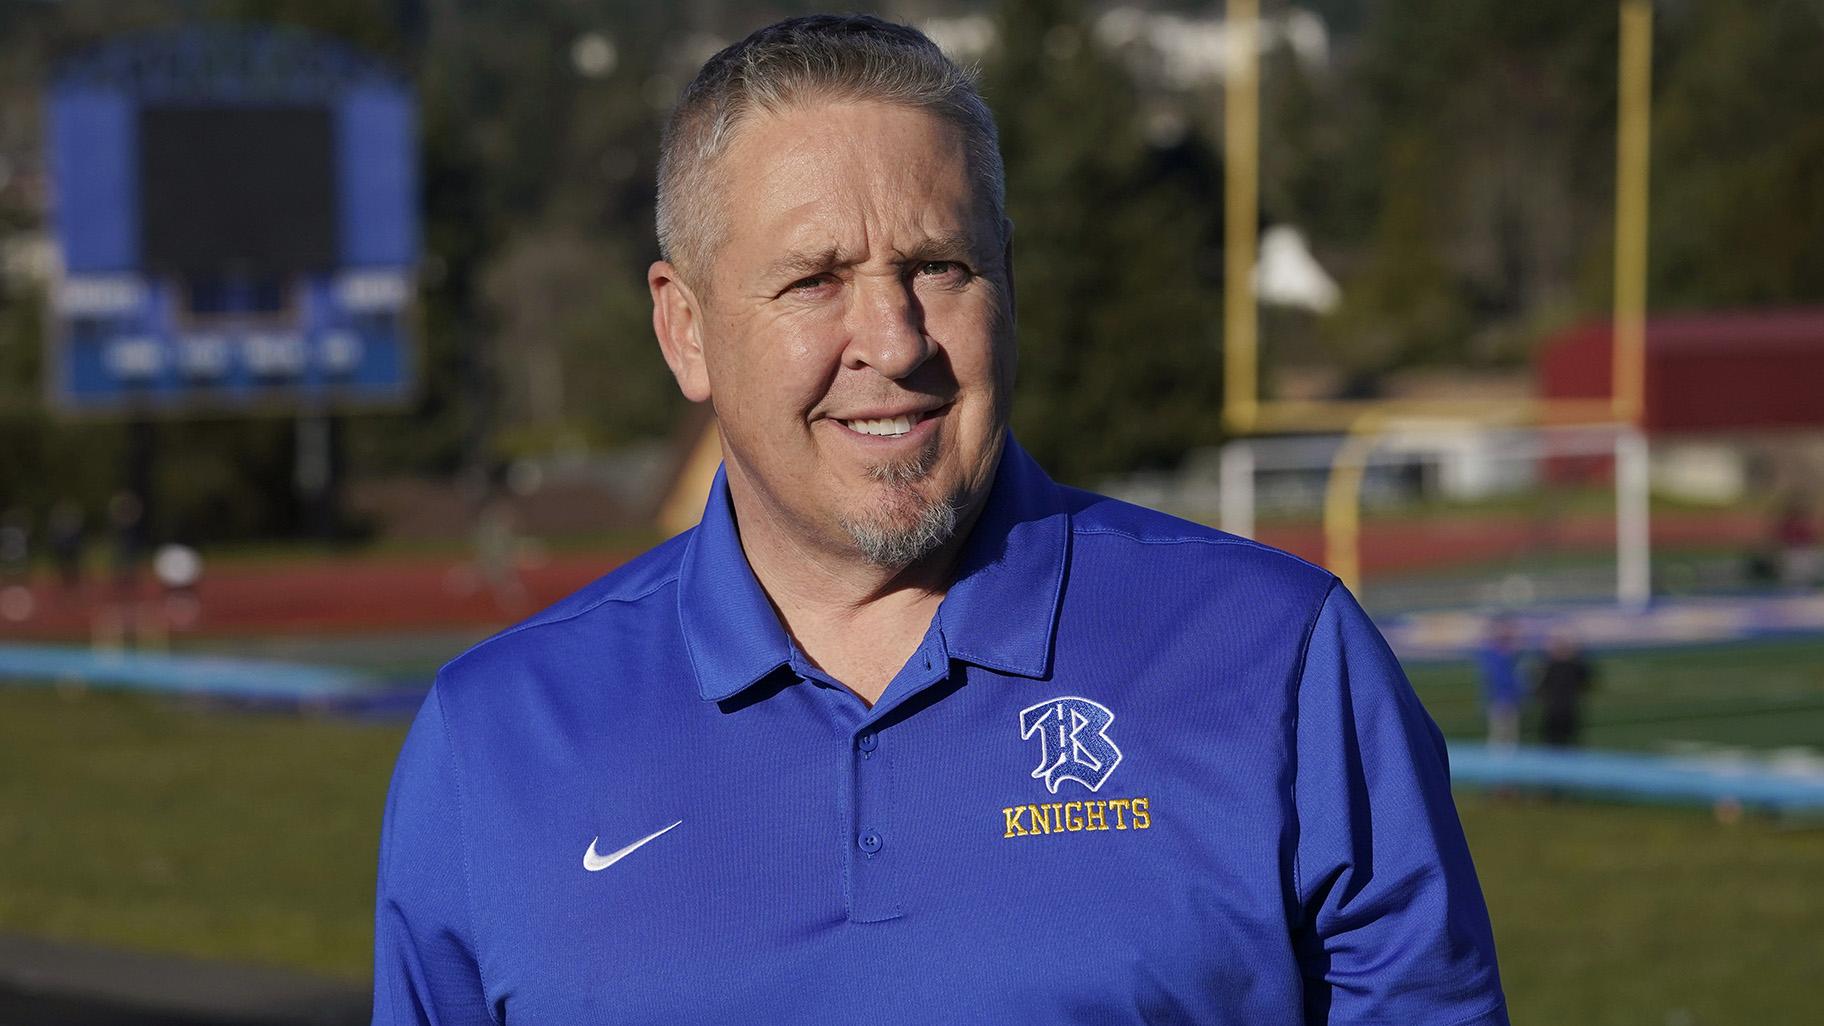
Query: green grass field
(1608, 914)
(136, 821)
(1762, 694)
(142, 822)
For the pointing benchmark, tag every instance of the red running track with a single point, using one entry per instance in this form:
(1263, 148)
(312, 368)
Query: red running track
(358, 594)
(334, 594)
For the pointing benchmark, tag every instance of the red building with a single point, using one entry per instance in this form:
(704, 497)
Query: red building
(1751, 370)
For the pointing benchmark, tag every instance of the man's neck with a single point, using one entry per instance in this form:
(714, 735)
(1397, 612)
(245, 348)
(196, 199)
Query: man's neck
(857, 621)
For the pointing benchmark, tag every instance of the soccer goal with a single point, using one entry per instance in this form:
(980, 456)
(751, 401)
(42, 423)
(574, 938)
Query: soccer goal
(1428, 513)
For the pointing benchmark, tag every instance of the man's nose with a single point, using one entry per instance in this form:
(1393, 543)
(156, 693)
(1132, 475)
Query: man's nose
(887, 330)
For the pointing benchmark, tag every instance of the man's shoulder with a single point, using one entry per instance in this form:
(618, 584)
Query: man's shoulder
(632, 592)
(1135, 531)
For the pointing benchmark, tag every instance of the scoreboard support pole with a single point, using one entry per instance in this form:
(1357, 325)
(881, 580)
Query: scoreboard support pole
(314, 473)
(141, 478)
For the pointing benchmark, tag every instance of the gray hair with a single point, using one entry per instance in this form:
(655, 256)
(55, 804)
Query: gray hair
(825, 57)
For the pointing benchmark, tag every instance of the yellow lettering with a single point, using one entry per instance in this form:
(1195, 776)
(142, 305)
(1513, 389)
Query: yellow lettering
(1076, 817)
(1097, 816)
(1014, 827)
(1041, 822)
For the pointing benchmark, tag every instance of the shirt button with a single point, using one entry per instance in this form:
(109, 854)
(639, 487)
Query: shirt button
(867, 742)
(870, 841)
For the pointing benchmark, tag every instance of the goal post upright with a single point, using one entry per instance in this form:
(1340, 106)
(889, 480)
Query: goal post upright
(1245, 413)
(1241, 217)
(1633, 141)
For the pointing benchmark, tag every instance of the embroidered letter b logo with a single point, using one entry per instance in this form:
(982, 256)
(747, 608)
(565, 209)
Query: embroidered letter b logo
(1073, 733)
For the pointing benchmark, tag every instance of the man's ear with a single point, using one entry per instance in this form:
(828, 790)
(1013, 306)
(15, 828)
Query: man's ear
(677, 320)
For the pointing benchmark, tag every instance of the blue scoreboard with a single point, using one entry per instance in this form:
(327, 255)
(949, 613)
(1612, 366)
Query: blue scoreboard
(237, 210)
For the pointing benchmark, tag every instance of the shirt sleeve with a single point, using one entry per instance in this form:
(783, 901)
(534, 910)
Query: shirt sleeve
(1392, 927)
(425, 968)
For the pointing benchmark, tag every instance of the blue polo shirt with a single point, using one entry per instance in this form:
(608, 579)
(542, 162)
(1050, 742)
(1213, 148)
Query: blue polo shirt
(1138, 771)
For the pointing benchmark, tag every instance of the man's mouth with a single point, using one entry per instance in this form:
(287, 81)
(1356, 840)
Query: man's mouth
(886, 427)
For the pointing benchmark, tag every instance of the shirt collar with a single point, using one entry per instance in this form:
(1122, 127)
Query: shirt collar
(730, 630)
(1001, 613)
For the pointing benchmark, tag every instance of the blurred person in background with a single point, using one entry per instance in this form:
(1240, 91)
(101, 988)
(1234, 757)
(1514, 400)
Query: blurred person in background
(15, 544)
(16, 600)
(1563, 681)
(1498, 666)
(178, 569)
(1795, 537)
(903, 730)
(497, 543)
(119, 621)
(126, 514)
(66, 536)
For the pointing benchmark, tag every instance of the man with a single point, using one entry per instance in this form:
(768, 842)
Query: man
(903, 731)
(1563, 682)
(1498, 665)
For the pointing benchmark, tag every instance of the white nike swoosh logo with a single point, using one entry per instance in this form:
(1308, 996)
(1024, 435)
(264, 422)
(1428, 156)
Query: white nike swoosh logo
(596, 863)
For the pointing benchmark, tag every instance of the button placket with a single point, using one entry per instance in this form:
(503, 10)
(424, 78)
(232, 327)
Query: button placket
(871, 897)
(868, 839)
(875, 893)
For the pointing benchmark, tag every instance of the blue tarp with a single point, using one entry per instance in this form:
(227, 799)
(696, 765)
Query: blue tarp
(218, 676)
(1639, 777)
(1630, 776)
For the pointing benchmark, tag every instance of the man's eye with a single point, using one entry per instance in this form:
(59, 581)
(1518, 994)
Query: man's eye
(941, 269)
(815, 281)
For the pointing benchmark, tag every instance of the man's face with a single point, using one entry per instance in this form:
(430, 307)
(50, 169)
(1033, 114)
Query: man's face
(854, 328)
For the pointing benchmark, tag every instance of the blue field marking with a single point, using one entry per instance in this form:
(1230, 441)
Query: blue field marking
(1638, 777)
(1455, 634)
(216, 676)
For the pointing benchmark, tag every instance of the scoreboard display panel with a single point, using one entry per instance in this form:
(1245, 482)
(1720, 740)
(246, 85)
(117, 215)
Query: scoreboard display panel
(247, 190)
(237, 211)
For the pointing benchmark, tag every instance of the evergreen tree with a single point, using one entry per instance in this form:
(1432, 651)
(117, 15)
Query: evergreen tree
(1114, 263)
(1738, 202)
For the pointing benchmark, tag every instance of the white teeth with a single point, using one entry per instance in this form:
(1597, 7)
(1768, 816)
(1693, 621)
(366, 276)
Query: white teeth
(885, 426)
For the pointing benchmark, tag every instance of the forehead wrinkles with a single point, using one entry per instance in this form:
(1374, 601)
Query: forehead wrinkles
(807, 181)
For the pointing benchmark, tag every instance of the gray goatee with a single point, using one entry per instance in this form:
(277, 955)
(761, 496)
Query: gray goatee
(911, 526)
